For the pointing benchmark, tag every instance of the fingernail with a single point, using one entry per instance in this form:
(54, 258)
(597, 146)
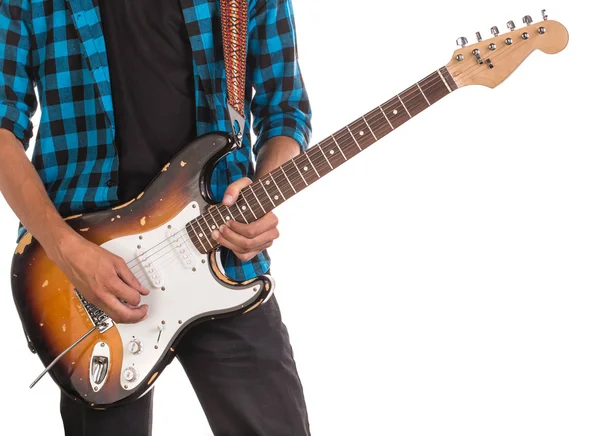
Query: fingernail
(227, 199)
(215, 235)
(221, 228)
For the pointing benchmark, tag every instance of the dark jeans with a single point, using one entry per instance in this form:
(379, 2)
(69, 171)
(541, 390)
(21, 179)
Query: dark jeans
(243, 372)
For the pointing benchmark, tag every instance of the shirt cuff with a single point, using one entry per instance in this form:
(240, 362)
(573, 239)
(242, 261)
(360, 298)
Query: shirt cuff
(284, 126)
(16, 122)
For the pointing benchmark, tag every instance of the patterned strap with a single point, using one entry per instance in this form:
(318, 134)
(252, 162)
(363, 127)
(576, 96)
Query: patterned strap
(234, 26)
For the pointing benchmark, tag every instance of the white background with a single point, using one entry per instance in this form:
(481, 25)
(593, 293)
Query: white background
(446, 281)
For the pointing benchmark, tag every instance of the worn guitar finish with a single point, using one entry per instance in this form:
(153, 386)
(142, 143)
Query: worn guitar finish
(54, 317)
(165, 234)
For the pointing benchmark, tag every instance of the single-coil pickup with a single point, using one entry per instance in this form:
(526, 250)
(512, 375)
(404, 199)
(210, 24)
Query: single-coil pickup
(179, 245)
(146, 260)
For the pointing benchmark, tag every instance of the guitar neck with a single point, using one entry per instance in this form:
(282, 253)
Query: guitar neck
(268, 192)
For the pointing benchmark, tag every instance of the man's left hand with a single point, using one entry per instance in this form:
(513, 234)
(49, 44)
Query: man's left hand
(246, 240)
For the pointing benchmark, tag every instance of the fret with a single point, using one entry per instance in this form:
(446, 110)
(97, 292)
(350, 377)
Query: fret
(277, 186)
(257, 200)
(222, 217)
(267, 192)
(378, 123)
(396, 113)
(314, 168)
(404, 106)
(229, 215)
(448, 78)
(331, 153)
(370, 130)
(299, 172)
(207, 225)
(199, 239)
(355, 141)
(419, 86)
(288, 180)
(216, 225)
(386, 118)
(339, 148)
(247, 204)
(444, 80)
(324, 155)
(416, 101)
(240, 210)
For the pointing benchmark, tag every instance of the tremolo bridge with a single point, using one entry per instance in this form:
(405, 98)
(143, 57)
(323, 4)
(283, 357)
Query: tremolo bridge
(97, 316)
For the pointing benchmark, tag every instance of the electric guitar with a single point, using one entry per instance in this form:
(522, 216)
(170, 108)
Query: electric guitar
(164, 236)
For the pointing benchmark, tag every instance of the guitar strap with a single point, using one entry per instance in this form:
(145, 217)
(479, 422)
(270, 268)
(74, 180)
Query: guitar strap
(234, 27)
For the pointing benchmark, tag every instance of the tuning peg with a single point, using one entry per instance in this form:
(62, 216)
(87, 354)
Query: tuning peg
(478, 35)
(462, 41)
(544, 15)
(495, 31)
(527, 20)
(511, 25)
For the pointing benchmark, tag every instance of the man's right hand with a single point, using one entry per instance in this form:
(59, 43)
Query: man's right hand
(103, 278)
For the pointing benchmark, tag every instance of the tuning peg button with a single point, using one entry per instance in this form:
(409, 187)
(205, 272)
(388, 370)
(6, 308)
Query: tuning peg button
(511, 25)
(495, 31)
(544, 14)
(527, 20)
(478, 35)
(462, 41)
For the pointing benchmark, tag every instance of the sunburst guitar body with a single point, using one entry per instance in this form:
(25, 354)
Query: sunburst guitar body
(120, 362)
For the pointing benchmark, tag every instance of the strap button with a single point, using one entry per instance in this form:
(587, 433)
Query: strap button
(110, 183)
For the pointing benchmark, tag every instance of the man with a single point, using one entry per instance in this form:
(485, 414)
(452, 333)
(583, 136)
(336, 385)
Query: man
(123, 85)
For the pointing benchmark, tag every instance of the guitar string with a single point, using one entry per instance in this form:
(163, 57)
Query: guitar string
(465, 76)
(320, 163)
(344, 142)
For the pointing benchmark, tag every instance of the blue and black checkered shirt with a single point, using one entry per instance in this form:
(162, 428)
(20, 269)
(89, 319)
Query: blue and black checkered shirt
(58, 47)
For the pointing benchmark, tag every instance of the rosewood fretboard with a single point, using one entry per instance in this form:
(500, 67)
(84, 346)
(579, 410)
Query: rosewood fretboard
(293, 176)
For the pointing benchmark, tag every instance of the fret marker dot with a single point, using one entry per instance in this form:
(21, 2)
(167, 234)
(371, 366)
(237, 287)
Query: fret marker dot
(227, 218)
(277, 197)
(213, 227)
(331, 151)
(305, 168)
(395, 112)
(361, 133)
(268, 182)
(243, 207)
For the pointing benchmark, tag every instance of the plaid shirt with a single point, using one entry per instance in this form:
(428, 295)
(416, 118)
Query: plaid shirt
(58, 47)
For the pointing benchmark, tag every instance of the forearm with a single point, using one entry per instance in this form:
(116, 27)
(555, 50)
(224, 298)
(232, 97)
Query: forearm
(24, 192)
(274, 153)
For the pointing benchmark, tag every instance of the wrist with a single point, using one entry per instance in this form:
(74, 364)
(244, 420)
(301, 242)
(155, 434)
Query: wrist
(59, 242)
(274, 153)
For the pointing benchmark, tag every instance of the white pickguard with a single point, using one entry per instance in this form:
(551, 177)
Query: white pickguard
(190, 290)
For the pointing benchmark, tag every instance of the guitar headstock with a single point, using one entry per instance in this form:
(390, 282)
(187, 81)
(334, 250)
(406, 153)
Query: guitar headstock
(489, 62)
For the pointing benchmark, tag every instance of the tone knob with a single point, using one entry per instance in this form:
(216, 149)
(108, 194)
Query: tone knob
(495, 31)
(135, 346)
(131, 374)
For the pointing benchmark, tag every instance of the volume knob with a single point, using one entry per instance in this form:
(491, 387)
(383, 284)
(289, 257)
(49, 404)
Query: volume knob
(135, 346)
(131, 374)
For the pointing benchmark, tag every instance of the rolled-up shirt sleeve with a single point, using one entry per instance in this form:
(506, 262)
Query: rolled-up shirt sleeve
(17, 98)
(280, 105)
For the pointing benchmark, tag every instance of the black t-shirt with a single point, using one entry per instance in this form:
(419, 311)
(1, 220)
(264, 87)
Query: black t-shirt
(152, 79)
